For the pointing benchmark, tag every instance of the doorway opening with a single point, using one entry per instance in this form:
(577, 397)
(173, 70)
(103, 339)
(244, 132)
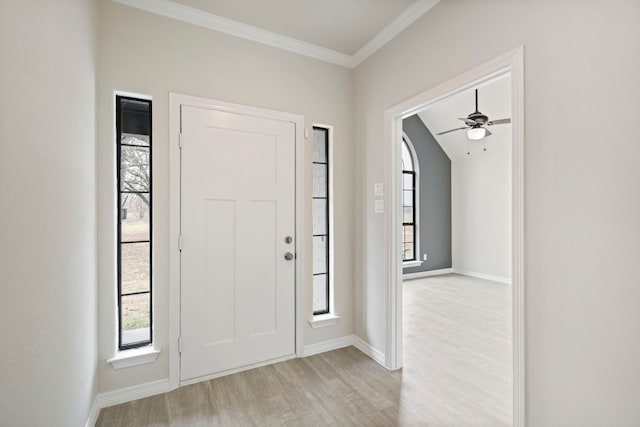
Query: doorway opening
(457, 298)
(477, 186)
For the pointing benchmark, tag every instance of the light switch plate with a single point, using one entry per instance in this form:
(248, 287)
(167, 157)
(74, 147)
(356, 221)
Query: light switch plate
(378, 189)
(379, 206)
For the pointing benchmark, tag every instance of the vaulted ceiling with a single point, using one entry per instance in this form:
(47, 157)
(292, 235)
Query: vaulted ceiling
(494, 100)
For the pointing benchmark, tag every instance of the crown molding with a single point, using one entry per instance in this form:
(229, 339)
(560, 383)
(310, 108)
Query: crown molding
(395, 27)
(200, 18)
(180, 12)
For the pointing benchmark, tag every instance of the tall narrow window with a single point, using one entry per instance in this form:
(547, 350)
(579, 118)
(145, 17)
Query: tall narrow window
(321, 225)
(409, 235)
(134, 213)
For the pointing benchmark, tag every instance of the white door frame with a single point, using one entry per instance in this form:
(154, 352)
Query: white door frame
(511, 62)
(175, 102)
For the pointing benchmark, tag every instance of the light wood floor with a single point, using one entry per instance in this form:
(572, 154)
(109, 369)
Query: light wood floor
(457, 349)
(457, 373)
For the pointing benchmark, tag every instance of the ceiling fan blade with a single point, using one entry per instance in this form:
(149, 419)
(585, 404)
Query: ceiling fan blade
(499, 122)
(488, 133)
(469, 122)
(452, 130)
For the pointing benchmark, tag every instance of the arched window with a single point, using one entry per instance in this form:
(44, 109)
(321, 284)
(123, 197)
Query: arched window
(409, 202)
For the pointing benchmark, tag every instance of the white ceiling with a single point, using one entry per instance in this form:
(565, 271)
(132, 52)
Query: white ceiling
(343, 32)
(341, 25)
(494, 100)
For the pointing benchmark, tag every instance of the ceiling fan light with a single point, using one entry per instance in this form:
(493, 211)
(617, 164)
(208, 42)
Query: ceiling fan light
(476, 134)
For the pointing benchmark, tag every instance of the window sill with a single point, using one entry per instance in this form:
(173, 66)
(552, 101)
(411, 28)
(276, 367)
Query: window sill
(323, 320)
(138, 356)
(412, 264)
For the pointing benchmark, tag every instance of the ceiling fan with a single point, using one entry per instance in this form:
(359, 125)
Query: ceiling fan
(476, 123)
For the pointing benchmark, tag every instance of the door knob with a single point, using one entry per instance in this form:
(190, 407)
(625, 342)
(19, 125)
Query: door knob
(288, 256)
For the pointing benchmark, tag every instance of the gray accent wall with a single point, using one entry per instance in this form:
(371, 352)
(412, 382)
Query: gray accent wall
(434, 219)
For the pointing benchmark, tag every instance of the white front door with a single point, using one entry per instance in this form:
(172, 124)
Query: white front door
(237, 209)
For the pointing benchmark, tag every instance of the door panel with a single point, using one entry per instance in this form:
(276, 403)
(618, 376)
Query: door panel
(237, 290)
(219, 308)
(264, 277)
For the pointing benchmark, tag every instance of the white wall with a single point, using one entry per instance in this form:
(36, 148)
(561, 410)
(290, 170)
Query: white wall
(582, 203)
(145, 53)
(48, 350)
(481, 213)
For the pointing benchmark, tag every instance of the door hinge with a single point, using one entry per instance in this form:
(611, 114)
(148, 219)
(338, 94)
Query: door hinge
(180, 242)
(180, 140)
(179, 344)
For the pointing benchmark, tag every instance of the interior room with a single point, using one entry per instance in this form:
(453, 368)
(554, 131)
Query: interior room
(201, 211)
(456, 253)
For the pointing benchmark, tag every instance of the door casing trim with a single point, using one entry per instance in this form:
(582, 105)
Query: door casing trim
(511, 62)
(176, 101)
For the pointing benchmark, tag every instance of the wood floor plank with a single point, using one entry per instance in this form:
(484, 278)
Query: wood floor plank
(457, 372)
(457, 347)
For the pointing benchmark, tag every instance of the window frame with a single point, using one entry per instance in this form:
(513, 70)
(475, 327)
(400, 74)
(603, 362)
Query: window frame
(119, 97)
(416, 261)
(329, 289)
(414, 223)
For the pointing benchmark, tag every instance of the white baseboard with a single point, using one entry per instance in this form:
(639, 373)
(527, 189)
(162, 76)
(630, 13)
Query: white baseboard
(135, 392)
(366, 348)
(346, 341)
(124, 395)
(321, 347)
(506, 280)
(420, 274)
(93, 413)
